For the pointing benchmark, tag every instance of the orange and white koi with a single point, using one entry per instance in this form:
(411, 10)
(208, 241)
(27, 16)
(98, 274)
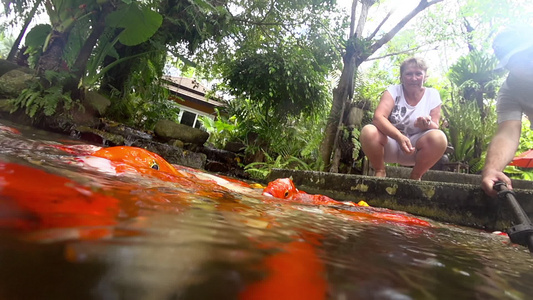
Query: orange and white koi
(284, 188)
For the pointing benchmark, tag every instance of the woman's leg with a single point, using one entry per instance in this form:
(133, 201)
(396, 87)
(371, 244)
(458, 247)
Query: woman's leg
(373, 144)
(429, 149)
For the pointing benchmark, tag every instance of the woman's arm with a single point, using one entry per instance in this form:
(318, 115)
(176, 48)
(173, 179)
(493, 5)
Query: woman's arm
(381, 121)
(430, 122)
(381, 116)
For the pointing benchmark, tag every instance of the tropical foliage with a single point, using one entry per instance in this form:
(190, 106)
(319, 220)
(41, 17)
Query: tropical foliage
(470, 112)
(269, 142)
(278, 60)
(465, 127)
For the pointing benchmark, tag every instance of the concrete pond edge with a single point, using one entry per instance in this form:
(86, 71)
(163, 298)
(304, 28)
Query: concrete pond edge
(458, 203)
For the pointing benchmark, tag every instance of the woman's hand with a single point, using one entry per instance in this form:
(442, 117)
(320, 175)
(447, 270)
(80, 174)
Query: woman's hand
(423, 122)
(405, 144)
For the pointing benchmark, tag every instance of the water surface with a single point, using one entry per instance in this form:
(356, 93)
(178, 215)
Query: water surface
(72, 231)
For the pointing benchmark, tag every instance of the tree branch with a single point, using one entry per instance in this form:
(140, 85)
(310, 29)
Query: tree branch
(352, 18)
(389, 35)
(400, 52)
(366, 4)
(379, 26)
(272, 5)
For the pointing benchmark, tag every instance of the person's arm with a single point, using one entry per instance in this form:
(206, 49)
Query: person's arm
(381, 121)
(431, 121)
(501, 151)
(435, 118)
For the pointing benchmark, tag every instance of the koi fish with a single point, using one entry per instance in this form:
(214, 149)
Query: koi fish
(284, 188)
(51, 201)
(9, 129)
(125, 159)
(378, 216)
(296, 272)
(138, 158)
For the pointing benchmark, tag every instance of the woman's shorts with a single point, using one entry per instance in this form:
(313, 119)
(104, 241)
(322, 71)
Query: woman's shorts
(393, 153)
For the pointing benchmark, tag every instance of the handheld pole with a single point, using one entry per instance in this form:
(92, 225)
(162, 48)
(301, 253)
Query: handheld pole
(522, 232)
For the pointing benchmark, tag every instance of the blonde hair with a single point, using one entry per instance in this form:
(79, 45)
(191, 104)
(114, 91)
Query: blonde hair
(413, 61)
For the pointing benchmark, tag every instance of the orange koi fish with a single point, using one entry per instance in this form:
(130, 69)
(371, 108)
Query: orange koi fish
(378, 216)
(138, 158)
(34, 199)
(284, 188)
(9, 129)
(126, 159)
(296, 272)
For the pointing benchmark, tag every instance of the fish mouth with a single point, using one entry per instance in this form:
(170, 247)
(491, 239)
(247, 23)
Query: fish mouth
(267, 194)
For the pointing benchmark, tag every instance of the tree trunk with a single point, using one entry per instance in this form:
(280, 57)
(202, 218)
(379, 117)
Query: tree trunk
(52, 58)
(29, 18)
(340, 97)
(80, 65)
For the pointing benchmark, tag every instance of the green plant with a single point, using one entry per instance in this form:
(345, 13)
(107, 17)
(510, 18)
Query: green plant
(356, 133)
(221, 130)
(518, 173)
(37, 98)
(260, 170)
(464, 127)
(526, 137)
(143, 108)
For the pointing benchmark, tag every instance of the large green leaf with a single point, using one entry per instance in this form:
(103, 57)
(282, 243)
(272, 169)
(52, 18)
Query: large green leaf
(139, 23)
(37, 35)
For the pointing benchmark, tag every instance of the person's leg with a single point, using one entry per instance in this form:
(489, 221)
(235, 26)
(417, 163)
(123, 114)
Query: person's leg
(373, 144)
(429, 149)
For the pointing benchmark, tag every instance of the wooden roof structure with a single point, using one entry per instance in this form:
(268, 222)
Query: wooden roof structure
(190, 93)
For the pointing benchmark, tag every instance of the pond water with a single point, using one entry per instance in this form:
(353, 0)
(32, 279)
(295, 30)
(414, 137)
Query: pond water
(74, 227)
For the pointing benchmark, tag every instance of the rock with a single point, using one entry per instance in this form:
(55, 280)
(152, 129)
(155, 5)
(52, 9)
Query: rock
(168, 130)
(216, 167)
(96, 102)
(176, 143)
(236, 147)
(6, 66)
(14, 82)
(19, 116)
(5, 106)
(97, 136)
(94, 106)
(130, 134)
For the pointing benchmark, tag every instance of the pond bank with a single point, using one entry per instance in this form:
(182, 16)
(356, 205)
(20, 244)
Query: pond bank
(442, 196)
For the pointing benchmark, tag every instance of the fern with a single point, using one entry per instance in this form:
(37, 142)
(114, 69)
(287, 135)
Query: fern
(50, 100)
(260, 170)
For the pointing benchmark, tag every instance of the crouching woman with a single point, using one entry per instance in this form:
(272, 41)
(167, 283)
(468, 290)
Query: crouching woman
(405, 127)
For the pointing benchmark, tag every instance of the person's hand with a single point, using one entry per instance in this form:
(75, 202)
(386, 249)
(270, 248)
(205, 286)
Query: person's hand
(423, 122)
(405, 144)
(491, 176)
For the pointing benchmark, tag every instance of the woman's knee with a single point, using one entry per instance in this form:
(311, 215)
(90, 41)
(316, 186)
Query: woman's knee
(370, 133)
(435, 139)
(368, 129)
(441, 139)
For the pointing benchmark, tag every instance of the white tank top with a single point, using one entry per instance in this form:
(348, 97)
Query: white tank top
(403, 115)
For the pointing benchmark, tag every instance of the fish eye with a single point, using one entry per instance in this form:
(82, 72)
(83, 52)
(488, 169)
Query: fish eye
(154, 166)
(286, 194)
